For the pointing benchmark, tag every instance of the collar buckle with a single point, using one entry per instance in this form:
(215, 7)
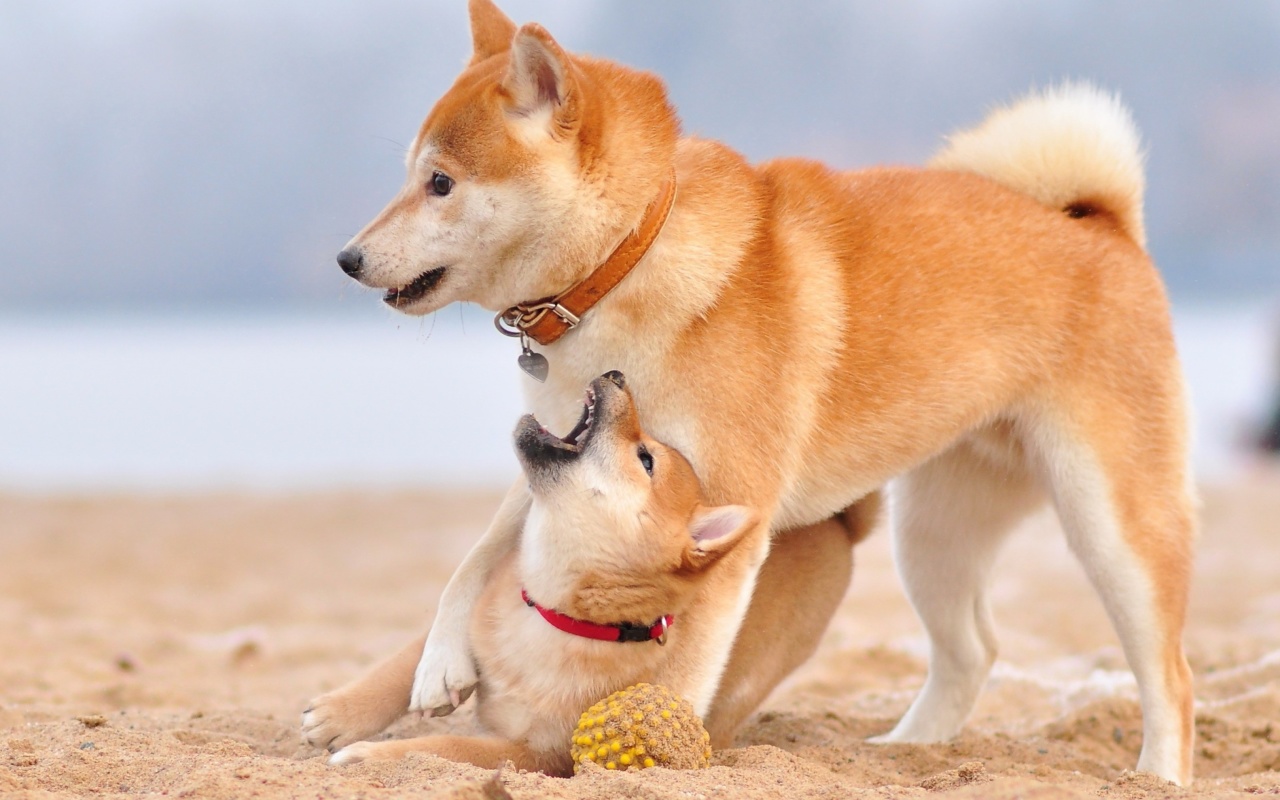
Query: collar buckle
(634, 633)
(545, 321)
(517, 320)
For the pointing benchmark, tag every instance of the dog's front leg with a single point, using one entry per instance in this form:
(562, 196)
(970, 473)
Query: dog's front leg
(364, 706)
(446, 673)
(378, 698)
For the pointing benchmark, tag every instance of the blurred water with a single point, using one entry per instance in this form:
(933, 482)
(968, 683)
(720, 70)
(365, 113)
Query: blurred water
(292, 402)
(1231, 359)
(271, 403)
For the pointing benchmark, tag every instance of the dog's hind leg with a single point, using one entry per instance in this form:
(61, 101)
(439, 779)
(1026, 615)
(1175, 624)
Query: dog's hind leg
(797, 592)
(1119, 481)
(487, 752)
(951, 515)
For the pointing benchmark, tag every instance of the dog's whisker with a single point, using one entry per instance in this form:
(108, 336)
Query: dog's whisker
(403, 148)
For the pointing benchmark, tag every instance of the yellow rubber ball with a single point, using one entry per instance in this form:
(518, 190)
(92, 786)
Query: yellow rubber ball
(639, 713)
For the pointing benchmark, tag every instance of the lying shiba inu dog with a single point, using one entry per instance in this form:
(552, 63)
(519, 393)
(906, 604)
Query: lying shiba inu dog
(619, 555)
(988, 331)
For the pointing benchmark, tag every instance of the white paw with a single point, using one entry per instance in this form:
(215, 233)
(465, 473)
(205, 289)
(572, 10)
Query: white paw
(352, 754)
(908, 731)
(445, 678)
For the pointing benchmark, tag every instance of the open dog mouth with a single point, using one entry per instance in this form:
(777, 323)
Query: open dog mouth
(538, 446)
(415, 291)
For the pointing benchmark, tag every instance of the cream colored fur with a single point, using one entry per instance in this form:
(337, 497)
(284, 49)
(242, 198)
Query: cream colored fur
(606, 542)
(1070, 144)
(990, 328)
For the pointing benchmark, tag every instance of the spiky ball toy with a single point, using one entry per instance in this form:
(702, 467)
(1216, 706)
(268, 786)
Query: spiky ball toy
(641, 726)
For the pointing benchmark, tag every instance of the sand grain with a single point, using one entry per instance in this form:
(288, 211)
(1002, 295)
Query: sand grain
(166, 645)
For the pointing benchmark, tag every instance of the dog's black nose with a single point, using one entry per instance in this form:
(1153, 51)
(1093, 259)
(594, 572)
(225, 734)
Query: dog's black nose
(617, 378)
(351, 260)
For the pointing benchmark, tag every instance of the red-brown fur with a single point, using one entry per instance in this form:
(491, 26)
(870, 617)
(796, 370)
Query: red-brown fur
(805, 335)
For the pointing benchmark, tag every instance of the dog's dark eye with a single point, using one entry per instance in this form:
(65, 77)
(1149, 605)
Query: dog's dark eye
(646, 460)
(440, 185)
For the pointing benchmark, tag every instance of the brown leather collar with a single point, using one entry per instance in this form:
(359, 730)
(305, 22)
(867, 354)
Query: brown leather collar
(548, 319)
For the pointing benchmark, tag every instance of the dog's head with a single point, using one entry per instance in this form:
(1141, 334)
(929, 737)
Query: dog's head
(523, 177)
(618, 530)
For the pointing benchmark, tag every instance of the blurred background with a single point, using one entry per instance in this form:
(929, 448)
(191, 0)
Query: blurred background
(175, 179)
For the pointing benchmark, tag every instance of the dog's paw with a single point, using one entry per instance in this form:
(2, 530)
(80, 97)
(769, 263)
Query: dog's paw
(335, 720)
(910, 736)
(323, 726)
(445, 678)
(935, 726)
(354, 753)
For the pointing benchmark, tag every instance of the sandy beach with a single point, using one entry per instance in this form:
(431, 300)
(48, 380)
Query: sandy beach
(167, 645)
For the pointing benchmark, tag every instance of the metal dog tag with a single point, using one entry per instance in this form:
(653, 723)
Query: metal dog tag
(535, 364)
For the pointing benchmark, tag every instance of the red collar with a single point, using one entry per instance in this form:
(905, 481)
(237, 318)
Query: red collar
(605, 633)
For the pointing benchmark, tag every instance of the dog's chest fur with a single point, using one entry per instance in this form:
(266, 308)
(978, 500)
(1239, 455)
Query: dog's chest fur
(536, 680)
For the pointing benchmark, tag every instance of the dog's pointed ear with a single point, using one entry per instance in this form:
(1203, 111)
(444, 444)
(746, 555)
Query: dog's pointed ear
(540, 77)
(491, 30)
(716, 531)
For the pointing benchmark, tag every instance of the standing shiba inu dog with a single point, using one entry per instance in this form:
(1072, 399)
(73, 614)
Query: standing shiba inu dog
(617, 532)
(988, 331)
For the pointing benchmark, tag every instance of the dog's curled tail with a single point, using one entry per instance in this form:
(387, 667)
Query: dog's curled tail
(1073, 148)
